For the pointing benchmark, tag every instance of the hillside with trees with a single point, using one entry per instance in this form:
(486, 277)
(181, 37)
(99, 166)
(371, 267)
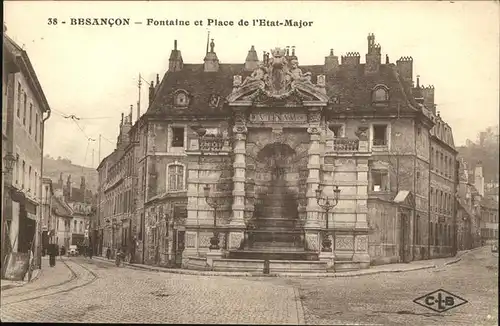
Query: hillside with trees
(52, 168)
(484, 149)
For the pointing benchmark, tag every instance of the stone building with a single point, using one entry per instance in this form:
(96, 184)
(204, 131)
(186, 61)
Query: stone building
(259, 138)
(63, 215)
(47, 218)
(116, 193)
(24, 111)
(81, 203)
(443, 183)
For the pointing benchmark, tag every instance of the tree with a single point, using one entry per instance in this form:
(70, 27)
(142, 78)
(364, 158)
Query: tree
(484, 149)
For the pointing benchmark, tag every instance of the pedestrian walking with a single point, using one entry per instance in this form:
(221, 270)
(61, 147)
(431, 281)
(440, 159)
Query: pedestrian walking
(108, 253)
(52, 254)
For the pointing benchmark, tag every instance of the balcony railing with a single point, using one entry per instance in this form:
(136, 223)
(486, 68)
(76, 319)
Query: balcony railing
(212, 143)
(345, 145)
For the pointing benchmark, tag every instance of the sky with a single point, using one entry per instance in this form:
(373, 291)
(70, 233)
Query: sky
(92, 71)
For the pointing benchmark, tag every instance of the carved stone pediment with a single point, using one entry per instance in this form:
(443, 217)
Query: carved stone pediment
(279, 79)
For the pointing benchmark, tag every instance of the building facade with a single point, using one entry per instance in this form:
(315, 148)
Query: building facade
(76, 211)
(24, 113)
(116, 194)
(48, 220)
(443, 186)
(260, 138)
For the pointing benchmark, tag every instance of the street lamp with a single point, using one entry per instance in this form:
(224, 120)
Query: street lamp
(213, 202)
(327, 204)
(9, 161)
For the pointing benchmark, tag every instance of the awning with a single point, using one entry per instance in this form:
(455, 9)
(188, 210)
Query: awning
(405, 198)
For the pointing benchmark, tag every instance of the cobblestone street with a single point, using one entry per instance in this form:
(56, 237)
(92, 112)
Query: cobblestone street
(84, 290)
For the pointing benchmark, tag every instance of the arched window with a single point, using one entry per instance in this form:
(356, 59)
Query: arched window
(175, 177)
(380, 94)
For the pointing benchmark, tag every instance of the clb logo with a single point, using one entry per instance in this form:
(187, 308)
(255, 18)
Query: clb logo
(440, 301)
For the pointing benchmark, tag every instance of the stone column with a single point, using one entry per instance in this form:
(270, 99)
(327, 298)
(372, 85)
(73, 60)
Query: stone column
(239, 165)
(313, 165)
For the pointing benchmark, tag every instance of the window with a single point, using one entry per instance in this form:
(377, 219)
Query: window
(36, 126)
(431, 235)
(432, 198)
(23, 175)
(417, 186)
(436, 161)
(29, 179)
(432, 159)
(175, 177)
(178, 137)
(380, 94)
(380, 180)
(36, 183)
(17, 168)
(417, 230)
(181, 99)
(380, 135)
(30, 122)
(74, 226)
(337, 130)
(81, 227)
(25, 107)
(19, 100)
(442, 163)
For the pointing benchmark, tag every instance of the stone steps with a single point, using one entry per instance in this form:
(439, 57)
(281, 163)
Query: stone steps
(273, 255)
(264, 223)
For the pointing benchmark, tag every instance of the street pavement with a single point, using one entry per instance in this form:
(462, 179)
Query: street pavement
(84, 290)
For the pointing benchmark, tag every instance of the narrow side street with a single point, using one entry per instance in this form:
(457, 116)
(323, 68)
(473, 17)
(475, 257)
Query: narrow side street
(94, 291)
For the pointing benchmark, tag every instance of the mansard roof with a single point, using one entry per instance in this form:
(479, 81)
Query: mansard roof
(350, 84)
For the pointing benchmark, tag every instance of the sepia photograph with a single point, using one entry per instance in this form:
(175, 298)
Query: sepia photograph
(250, 162)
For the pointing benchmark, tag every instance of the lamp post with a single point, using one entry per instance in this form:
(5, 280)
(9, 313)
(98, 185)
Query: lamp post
(9, 161)
(327, 204)
(213, 202)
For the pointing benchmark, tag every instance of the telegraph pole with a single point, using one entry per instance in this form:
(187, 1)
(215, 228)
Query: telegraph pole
(139, 83)
(99, 154)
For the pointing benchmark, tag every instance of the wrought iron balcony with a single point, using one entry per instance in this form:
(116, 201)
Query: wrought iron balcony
(212, 143)
(345, 145)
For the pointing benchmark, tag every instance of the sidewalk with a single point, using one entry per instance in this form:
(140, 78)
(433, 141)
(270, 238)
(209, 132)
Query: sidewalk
(389, 268)
(8, 284)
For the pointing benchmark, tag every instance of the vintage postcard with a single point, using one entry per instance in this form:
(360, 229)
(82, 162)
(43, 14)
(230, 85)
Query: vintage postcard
(236, 162)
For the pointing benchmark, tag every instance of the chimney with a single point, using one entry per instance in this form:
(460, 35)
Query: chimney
(60, 182)
(175, 62)
(428, 95)
(405, 69)
(211, 60)
(417, 94)
(252, 60)
(478, 178)
(151, 92)
(331, 63)
(373, 56)
(351, 59)
(69, 189)
(82, 187)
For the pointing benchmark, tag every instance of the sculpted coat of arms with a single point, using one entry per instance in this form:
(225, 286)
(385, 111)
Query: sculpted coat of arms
(278, 75)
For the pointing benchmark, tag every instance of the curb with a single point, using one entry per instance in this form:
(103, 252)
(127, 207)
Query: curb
(248, 274)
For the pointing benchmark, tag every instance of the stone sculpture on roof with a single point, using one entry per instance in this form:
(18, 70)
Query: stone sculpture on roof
(278, 74)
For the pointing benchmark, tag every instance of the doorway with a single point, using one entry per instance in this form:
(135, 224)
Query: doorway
(404, 237)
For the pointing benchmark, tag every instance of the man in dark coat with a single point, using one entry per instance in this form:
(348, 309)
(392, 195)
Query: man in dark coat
(52, 254)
